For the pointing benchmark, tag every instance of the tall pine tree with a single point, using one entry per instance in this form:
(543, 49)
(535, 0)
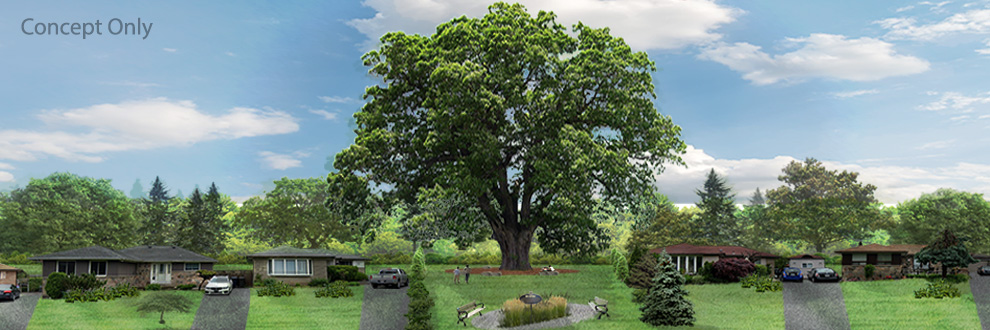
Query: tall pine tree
(642, 273)
(717, 222)
(213, 222)
(160, 214)
(137, 190)
(666, 303)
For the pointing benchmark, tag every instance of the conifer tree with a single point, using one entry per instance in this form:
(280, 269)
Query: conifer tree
(717, 221)
(666, 303)
(642, 273)
(137, 190)
(159, 216)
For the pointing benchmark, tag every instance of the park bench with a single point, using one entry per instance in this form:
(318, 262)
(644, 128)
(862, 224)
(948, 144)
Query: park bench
(600, 306)
(466, 311)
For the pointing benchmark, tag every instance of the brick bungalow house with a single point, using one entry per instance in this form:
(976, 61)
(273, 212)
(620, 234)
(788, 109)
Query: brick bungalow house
(690, 258)
(168, 266)
(300, 266)
(890, 260)
(8, 274)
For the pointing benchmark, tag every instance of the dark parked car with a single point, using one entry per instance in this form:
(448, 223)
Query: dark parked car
(985, 270)
(792, 274)
(823, 274)
(8, 291)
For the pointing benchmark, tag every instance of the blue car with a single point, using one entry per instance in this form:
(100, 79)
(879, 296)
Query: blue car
(792, 274)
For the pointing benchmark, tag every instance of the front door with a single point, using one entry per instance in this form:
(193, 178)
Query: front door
(161, 273)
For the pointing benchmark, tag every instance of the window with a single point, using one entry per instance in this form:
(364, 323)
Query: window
(289, 267)
(859, 259)
(98, 268)
(344, 262)
(807, 265)
(883, 258)
(68, 267)
(3, 275)
(192, 266)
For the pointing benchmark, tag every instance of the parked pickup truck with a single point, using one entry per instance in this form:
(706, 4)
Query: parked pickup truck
(389, 276)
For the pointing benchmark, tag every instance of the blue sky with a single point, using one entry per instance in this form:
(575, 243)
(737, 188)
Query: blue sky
(243, 93)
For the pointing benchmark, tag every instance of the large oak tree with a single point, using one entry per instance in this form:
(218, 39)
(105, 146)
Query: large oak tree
(515, 113)
(922, 219)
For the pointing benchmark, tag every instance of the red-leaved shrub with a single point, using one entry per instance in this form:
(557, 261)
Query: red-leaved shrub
(732, 269)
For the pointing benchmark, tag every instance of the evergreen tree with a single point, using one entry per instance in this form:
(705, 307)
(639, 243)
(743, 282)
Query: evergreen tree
(159, 215)
(137, 190)
(179, 194)
(213, 237)
(192, 225)
(158, 191)
(666, 303)
(757, 229)
(948, 250)
(757, 198)
(642, 273)
(717, 222)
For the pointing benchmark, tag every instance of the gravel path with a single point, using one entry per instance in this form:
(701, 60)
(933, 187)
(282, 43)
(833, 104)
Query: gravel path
(384, 308)
(578, 313)
(220, 312)
(980, 285)
(812, 306)
(16, 314)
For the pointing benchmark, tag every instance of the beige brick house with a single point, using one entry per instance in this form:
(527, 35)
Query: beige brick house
(168, 266)
(299, 266)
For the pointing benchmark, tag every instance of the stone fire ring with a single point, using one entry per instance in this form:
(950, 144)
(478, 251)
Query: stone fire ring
(578, 313)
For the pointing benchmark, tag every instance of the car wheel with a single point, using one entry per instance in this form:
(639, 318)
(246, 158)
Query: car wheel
(374, 286)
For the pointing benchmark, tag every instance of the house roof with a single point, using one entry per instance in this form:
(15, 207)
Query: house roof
(94, 252)
(5, 267)
(158, 253)
(144, 253)
(288, 251)
(728, 250)
(909, 249)
(805, 256)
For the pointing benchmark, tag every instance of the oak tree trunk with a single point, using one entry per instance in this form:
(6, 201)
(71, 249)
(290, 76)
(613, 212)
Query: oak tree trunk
(515, 244)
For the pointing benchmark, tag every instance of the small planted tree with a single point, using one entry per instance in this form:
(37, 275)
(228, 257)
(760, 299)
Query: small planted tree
(621, 268)
(641, 275)
(947, 249)
(666, 303)
(56, 286)
(732, 269)
(161, 302)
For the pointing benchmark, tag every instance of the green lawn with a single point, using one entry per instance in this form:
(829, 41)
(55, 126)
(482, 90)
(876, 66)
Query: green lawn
(233, 267)
(891, 305)
(114, 314)
(725, 306)
(31, 269)
(305, 311)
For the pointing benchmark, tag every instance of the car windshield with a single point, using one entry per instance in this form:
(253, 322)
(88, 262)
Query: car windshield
(825, 271)
(792, 272)
(389, 271)
(5, 286)
(220, 280)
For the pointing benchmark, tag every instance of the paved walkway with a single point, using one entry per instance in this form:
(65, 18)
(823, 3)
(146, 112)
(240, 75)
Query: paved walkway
(578, 313)
(15, 315)
(980, 285)
(813, 306)
(384, 308)
(221, 312)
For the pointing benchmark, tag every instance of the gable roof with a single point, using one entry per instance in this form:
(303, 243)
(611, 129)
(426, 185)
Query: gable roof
(144, 253)
(709, 250)
(289, 251)
(806, 256)
(158, 253)
(94, 252)
(5, 267)
(909, 249)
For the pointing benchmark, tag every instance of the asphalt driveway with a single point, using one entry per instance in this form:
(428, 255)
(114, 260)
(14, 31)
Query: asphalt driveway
(384, 308)
(220, 312)
(980, 285)
(16, 314)
(812, 306)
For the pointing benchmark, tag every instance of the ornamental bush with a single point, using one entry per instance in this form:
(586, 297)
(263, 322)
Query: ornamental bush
(938, 290)
(56, 285)
(35, 283)
(319, 282)
(732, 269)
(334, 290)
(344, 273)
(762, 270)
(641, 274)
(760, 283)
(621, 268)
(869, 270)
(186, 287)
(277, 289)
(153, 287)
(83, 282)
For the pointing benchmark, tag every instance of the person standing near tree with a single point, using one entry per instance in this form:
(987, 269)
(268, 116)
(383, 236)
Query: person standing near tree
(467, 274)
(457, 275)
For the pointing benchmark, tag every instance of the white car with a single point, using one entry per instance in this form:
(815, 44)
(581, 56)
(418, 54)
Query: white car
(219, 285)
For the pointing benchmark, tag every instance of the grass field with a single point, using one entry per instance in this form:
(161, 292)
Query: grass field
(305, 311)
(233, 267)
(31, 269)
(114, 314)
(891, 305)
(724, 306)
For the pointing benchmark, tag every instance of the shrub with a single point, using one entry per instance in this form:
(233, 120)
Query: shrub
(780, 263)
(938, 290)
(56, 285)
(517, 313)
(344, 273)
(101, 294)
(436, 259)
(547, 259)
(418, 263)
(621, 268)
(869, 270)
(334, 290)
(390, 259)
(319, 282)
(153, 287)
(83, 282)
(760, 283)
(277, 289)
(954, 278)
(762, 270)
(16, 258)
(601, 260)
(638, 295)
(231, 258)
(123, 290)
(707, 273)
(732, 269)
(186, 287)
(696, 280)
(641, 274)
(35, 283)
(267, 282)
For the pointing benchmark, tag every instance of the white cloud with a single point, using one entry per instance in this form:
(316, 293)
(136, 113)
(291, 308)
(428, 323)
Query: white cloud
(170, 50)
(84, 134)
(846, 95)
(6, 177)
(936, 145)
(325, 114)
(337, 99)
(894, 183)
(819, 55)
(975, 21)
(5, 166)
(129, 83)
(984, 51)
(278, 161)
(955, 101)
(231, 54)
(905, 8)
(644, 24)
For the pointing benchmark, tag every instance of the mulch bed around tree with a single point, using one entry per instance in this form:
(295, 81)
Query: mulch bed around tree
(533, 271)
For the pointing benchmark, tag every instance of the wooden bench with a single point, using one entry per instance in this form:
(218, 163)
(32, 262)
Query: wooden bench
(467, 311)
(600, 306)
